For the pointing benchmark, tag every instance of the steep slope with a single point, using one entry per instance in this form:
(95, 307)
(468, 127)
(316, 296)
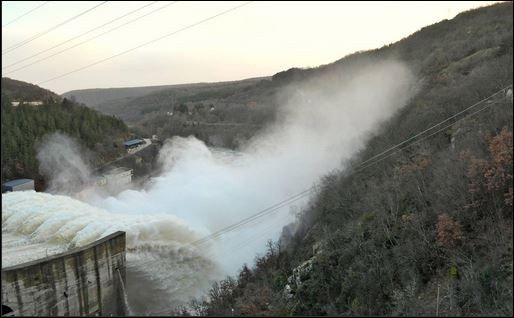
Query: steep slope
(432, 219)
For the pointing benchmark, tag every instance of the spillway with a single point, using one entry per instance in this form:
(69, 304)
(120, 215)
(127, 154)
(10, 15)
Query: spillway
(38, 225)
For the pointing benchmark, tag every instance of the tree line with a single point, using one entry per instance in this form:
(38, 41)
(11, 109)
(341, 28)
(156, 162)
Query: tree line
(24, 126)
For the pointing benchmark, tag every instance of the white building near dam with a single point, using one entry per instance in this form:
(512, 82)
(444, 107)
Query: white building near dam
(118, 176)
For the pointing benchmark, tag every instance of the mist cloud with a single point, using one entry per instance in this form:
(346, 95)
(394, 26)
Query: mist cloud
(64, 162)
(322, 123)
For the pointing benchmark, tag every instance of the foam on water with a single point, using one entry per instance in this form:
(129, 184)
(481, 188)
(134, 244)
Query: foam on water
(36, 225)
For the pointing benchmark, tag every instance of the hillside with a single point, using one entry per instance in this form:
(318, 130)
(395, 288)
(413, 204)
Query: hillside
(130, 103)
(227, 114)
(21, 91)
(221, 114)
(24, 126)
(96, 97)
(432, 219)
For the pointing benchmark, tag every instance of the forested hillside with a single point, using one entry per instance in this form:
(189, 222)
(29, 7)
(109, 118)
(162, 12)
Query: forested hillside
(132, 103)
(21, 91)
(24, 126)
(435, 218)
(221, 114)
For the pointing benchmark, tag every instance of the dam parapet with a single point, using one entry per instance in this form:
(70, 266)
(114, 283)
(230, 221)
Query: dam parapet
(85, 281)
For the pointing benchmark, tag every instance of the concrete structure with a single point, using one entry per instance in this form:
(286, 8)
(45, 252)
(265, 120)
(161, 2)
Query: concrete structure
(85, 281)
(134, 143)
(99, 181)
(18, 185)
(140, 146)
(118, 176)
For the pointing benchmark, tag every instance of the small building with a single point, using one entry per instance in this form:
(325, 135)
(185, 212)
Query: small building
(15, 103)
(18, 185)
(134, 143)
(118, 176)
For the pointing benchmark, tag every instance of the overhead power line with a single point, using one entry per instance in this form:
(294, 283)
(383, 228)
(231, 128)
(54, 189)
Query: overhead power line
(22, 43)
(146, 43)
(255, 216)
(359, 168)
(21, 16)
(76, 37)
(307, 191)
(430, 128)
(437, 131)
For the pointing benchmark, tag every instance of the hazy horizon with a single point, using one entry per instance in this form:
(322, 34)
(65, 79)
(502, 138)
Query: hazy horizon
(259, 45)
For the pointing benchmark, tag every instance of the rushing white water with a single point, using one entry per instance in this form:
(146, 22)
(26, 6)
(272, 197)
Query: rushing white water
(35, 225)
(17, 249)
(202, 190)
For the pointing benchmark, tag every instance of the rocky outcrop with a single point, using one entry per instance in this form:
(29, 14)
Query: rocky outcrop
(302, 272)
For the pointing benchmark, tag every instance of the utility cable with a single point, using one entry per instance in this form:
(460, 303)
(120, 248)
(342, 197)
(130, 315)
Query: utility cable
(91, 38)
(434, 126)
(146, 43)
(21, 16)
(426, 137)
(362, 166)
(75, 37)
(22, 43)
(261, 213)
(278, 205)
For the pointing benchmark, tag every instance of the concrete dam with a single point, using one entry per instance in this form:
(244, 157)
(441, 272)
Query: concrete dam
(85, 281)
(160, 271)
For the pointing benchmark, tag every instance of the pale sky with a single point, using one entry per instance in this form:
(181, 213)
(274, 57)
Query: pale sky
(259, 39)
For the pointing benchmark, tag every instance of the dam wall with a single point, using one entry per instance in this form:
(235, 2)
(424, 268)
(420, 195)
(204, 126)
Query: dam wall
(84, 281)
